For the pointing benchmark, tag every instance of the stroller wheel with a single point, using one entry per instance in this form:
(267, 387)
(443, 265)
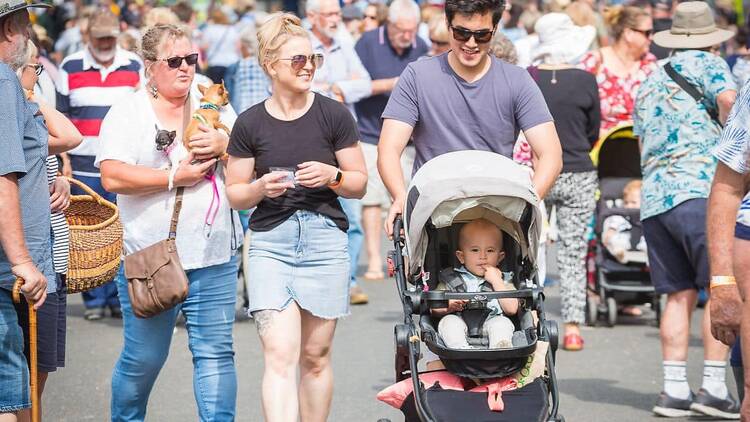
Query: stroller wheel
(592, 311)
(611, 311)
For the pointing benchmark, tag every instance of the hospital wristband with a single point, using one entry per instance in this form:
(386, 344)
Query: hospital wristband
(722, 280)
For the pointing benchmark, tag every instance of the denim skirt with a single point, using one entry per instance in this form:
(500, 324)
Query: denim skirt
(304, 259)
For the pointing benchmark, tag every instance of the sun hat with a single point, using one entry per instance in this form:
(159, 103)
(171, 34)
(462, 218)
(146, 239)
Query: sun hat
(560, 40)
(693, 27)
(9, 6)
(104, 24)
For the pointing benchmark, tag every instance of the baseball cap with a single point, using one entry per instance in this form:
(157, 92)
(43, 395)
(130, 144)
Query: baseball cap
(103, 23)
(9, 6)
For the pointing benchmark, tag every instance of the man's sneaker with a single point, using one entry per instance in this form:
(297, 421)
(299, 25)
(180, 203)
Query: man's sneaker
(706, 404)
(670, 407)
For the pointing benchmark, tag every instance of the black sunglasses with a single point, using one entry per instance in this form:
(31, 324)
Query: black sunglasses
(176, 61)
(438, 43)
(462, 34)
(300, 60)
(646, 33)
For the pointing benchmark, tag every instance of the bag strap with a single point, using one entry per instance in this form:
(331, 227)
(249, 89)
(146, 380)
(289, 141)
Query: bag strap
(692, 91)
(180, 190)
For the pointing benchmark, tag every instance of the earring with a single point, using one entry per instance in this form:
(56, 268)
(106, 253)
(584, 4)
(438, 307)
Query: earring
(153, 91)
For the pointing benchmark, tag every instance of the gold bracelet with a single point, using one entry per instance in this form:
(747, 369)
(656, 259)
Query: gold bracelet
(722, 280)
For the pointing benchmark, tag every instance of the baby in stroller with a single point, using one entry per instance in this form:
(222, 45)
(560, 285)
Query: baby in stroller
(480, 250)
(617, 230)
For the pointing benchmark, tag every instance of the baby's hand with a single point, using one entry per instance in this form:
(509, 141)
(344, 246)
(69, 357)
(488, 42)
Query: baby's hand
(455, 306)
(493, 275)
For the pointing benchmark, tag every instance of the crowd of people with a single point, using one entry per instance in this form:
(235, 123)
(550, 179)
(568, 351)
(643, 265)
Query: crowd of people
(329, 114)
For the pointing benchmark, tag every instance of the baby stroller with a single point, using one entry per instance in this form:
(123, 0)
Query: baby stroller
(446, 192)
(617, 158)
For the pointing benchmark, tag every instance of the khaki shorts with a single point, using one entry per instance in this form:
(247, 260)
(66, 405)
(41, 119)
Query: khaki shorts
(377, 194)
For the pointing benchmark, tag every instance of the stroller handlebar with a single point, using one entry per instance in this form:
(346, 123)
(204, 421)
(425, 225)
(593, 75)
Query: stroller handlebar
(398, 226)
(442, 295)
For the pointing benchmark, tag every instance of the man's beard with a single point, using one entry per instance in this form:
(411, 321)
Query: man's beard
(330, 32)
(103, 56)
(17, 57)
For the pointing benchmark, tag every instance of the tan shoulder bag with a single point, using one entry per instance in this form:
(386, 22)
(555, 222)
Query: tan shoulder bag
(156, 280)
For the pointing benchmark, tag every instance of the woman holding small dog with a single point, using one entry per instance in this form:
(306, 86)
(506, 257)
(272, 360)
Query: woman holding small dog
(304, 150)
(143, 159)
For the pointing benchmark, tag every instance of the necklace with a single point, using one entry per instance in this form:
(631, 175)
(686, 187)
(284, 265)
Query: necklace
(628, 69)
(554, 76)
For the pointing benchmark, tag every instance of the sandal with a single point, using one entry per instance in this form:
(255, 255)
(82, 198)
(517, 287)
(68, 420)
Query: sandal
(573, 342)
(373, 275)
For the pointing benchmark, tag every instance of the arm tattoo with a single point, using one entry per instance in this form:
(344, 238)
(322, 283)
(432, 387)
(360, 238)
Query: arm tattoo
(264, 320)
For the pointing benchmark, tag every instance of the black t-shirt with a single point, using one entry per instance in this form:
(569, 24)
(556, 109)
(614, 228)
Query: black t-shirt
(326, 128)
(574, 104)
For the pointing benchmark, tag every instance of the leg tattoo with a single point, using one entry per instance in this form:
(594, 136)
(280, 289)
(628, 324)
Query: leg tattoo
(263, 320)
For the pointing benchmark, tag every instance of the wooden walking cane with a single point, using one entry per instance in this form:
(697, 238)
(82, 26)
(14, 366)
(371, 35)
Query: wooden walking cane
(32, 350)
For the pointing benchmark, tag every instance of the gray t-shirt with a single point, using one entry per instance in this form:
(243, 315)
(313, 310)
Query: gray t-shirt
(24, 151)
(449, 114)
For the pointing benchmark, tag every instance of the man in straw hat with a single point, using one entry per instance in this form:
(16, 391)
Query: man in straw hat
(25, 250)
(678, 130)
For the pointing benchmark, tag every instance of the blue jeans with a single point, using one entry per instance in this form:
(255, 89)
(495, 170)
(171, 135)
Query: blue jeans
(353, 210)
(14, 374)
(106, 294)
(209, 314)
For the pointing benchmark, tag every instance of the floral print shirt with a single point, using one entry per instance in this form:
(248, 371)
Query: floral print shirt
(616, 94)
(734, 150)
(677, 134)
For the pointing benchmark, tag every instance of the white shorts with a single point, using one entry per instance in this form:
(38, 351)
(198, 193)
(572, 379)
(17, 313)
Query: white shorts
(377, 194)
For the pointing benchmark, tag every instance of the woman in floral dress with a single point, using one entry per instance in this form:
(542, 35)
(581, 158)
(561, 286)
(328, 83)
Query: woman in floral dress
(620, 68)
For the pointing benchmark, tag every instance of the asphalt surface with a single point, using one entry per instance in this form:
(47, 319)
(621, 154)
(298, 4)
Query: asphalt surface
(615, 378)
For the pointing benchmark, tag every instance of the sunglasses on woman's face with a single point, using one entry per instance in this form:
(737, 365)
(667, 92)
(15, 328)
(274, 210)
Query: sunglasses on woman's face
(176, 61)
(438, 43)
(38, 68)
(646, 32)
(463, 35)
(372, 17)
(300, 60)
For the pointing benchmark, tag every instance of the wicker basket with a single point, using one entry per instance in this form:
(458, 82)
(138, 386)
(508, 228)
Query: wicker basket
(95, 240)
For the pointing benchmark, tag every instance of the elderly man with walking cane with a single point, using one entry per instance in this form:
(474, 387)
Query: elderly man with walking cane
(25, 251)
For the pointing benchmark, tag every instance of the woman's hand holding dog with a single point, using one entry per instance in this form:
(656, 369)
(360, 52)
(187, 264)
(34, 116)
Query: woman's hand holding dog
(312, 174)
(208, 143)
(189, 174)
(272, 184)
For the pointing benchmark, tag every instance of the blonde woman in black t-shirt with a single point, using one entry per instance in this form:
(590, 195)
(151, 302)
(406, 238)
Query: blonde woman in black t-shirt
(298, 275)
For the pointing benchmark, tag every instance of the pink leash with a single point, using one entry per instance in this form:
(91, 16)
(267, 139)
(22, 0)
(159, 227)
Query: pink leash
(215, 202)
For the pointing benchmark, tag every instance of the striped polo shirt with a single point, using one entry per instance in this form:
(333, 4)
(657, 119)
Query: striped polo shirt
(86, 91)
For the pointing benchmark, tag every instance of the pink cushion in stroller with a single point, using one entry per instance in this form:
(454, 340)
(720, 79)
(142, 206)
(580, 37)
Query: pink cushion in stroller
(397, 393)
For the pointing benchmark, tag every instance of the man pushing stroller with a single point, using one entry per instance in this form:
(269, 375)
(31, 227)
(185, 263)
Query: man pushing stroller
(480, 250)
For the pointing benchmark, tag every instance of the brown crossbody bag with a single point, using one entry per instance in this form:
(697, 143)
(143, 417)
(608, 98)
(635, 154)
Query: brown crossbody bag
(156, 280)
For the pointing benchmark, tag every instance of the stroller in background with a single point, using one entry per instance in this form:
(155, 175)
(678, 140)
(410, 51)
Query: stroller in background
(447, 191)
(617, 158)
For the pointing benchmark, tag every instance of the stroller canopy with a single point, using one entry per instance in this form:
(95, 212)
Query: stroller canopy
(463, 186)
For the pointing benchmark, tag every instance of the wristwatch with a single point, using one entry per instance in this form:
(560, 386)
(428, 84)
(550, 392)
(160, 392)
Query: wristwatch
(336, 180)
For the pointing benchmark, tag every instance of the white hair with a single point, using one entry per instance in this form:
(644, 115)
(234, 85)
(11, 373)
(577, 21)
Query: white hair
(403, 9)
(249, 38)
(313, 5)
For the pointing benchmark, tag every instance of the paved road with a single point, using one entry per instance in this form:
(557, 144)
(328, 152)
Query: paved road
(615, 378)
